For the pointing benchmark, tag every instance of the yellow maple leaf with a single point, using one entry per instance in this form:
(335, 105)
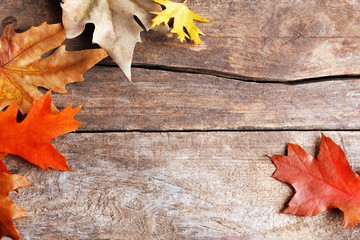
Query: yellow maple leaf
(183, 17)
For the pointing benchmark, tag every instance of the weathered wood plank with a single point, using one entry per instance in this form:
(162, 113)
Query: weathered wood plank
(160, 101)
(27, 13)
(265, 40)
(173, 186)
(268, 40)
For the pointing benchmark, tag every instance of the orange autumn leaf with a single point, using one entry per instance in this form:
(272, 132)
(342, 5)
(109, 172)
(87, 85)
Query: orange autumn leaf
(8, 209)
(23, 69)
(30, 139)
(321, 183)
(2, 166)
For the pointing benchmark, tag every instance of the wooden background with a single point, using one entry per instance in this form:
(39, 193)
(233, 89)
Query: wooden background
(180, 152)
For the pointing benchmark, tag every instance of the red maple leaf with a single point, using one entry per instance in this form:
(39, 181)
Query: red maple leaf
(323, 183)
(30, 139)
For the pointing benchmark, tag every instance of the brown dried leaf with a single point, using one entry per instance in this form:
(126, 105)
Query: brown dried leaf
(23, 69)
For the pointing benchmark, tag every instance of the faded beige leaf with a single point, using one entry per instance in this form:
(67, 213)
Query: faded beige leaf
(116, 29)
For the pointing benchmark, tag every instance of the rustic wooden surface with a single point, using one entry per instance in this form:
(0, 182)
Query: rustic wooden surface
(180, 152)
(164, 100)
(179, 185)
(264, 40)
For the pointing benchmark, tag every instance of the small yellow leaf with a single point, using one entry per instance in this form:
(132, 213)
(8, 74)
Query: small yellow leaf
(183, 18)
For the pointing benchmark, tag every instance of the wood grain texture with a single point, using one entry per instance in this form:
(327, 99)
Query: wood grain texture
(173, 186)
(28, 13)
(163, 101)
(265, 40)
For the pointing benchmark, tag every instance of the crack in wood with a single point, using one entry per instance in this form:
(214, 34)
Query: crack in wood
(231, 76)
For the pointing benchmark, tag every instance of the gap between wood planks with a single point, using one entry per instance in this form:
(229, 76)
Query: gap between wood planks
(238, 77)
(218, 130)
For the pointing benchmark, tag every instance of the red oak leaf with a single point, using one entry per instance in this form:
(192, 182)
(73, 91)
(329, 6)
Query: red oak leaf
(30, 139)
(324, 183)
(8, 209)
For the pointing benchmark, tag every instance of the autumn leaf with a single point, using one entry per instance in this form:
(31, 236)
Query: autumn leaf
(2, 165)
(183, 18)
(23, 69)
(116, 29)
(324, 183)
(8, 209)
(30, 139)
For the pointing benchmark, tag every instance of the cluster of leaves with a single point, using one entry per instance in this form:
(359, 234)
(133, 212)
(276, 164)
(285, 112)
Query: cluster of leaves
(117, 31)
(30, 139)
(23, 69)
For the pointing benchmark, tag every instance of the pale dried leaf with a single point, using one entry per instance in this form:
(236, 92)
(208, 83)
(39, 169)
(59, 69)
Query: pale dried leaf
(116, 30)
